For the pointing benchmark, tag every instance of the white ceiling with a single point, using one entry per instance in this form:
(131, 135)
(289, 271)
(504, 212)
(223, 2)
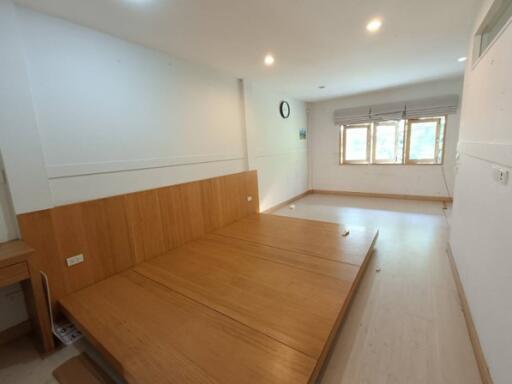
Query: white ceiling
(315, 42)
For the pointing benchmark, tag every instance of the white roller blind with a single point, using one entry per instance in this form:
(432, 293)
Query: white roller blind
(389, 111)
(355, 115)
(435, 106)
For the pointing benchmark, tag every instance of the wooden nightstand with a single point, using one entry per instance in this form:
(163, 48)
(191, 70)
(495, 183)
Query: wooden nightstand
(16, 267)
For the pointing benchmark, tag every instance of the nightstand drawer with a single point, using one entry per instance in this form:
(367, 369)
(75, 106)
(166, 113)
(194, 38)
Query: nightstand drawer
(13, 274)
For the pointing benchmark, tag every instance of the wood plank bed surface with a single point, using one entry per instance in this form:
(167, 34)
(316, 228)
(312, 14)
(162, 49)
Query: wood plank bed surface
(258, 301)
(315, 238)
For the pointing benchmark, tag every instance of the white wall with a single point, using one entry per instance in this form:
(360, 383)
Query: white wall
(275, 148)
(327, 174)
(115, 117)
(482, 212)
(20, 150)
(19, 138)
(12, 296)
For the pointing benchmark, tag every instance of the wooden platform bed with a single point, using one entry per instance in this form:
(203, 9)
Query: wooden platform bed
(255, 301)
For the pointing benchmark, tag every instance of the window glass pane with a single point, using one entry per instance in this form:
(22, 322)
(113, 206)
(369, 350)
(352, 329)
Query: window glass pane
(423, 141)
(389, 141)
(385, 142)
(356, 145)
(498, 16)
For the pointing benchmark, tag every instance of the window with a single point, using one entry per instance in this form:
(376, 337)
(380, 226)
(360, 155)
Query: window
(356, 141)
(412, 141)
(494, 22)
(423, 141)
(388, 142)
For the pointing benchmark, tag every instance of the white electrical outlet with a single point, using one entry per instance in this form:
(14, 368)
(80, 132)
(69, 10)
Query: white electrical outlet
(500, 175)
(74, 260)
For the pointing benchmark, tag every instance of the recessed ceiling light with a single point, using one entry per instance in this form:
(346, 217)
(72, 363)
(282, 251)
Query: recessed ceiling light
(269, 60)
(139, 2)
(462, 59)
(374, 25)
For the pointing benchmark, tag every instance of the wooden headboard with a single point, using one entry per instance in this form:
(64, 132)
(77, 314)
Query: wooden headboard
(116, 233)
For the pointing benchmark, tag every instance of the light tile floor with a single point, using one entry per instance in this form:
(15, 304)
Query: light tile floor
(405, 325)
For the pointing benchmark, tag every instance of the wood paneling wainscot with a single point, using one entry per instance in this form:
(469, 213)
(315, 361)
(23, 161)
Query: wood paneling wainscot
(117, 233)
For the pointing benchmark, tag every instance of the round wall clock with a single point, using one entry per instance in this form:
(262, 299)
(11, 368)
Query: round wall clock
(284, 109)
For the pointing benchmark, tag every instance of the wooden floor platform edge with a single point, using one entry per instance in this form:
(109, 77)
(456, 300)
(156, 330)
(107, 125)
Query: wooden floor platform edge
(341, 316)
(473, 334)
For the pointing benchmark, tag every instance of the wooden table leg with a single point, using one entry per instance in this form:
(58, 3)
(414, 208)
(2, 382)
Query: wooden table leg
(37, 306)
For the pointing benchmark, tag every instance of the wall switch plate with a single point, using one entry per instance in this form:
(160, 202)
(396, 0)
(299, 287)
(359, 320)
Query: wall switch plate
(501, 175)
(74, 260)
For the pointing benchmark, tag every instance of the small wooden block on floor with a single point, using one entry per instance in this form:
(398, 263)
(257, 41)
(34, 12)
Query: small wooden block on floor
(81, 370)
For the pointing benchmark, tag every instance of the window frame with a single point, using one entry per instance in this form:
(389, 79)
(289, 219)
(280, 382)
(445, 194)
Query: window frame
(375, 124)
(343, 145)
(407, 143)
(491, 21)
(371, 137)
